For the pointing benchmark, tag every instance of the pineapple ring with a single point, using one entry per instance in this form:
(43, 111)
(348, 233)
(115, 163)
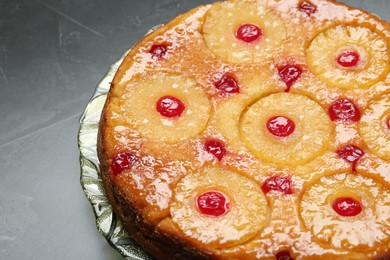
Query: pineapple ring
(219, 33)
(310, 138)
(371, 48)
(255, 85)
(369, 228)
(228, 120)
(246, 217)
(375, 127)
(139, 107)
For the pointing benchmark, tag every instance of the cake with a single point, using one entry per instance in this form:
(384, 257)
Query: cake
(254, 129)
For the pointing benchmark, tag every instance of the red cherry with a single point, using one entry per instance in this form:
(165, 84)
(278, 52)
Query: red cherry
(388, 122)
(283, 255)
(277, 183)
(280, 126)
(347, 207)
(213, 203)
(307, 7)
(351, 153)
(216, 148)
(123, 161)
(158, 51)
(289, 74)
(248, 32)
(348, 59)
(169, 106)
(227, 84)
(344, 109)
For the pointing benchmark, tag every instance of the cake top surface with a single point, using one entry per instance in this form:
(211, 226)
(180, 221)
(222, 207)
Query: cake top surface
(268, 122)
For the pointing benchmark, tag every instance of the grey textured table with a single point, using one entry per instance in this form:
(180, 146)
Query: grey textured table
(52, 55)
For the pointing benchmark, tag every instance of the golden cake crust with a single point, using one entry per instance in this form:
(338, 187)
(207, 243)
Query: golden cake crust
(148, 196)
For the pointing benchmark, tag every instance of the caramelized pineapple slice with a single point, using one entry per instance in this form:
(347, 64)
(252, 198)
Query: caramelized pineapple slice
(375, 127)
(347, 211)
(228, 120)
(349, 57)
(256, 84)
(169, 108)
(219, 207)
(286, 128)
(250, 34)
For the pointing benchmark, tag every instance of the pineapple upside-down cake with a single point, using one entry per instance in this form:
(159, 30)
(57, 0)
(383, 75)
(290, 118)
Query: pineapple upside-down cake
(254, 130)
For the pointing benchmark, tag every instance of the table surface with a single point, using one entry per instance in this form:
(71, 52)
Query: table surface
(52, 55)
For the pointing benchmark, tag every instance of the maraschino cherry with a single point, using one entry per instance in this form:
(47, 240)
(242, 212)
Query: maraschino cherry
(213, 203)
(123, 161)
(169, 106)
(277, 183)
(307, 8)
(351, 153)
(347, 207)
(158, 51)
(280, 126)
(289, 74)
(248, 32)
(348, 59)
(216, 148)
(344, 109)
(284, 255)
(227, 84)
